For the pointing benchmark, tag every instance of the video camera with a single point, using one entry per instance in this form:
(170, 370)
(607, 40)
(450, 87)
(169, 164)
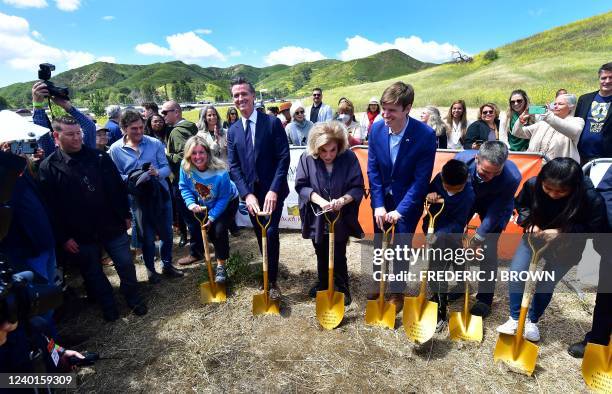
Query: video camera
(20, 299)
(44, 73)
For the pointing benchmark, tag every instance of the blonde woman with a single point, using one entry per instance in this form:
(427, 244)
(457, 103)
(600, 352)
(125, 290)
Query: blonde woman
(209, 127)
(432, 118)
(456, 125)
(205, 182)
(486, 128)
(329, 177)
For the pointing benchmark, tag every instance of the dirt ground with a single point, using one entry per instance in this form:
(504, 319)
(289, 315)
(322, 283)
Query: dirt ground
(184, 346)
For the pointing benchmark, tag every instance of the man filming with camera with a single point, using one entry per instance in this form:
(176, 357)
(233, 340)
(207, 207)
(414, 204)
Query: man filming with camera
(40, 92)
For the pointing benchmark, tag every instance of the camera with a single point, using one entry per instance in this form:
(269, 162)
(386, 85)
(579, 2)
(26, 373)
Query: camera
(44, 73)
(20, 299)
(27, 147)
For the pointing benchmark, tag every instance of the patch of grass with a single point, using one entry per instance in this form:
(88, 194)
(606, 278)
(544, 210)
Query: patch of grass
(239, 269)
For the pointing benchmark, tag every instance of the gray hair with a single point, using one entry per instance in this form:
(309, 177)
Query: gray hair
(495, 152)
(570, 99)
(113, 111)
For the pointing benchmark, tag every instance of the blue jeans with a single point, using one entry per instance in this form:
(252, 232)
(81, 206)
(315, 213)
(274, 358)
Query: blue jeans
(558, 264)
(96, 281)
(163, 228)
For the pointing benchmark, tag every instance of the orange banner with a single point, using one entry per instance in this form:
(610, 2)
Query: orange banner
(529, 164)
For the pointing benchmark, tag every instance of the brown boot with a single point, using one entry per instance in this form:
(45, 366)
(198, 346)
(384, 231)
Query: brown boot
(397, 299)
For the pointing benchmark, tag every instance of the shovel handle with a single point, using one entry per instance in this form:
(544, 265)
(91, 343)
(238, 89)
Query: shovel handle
(535, 257)
(432, 218)
(204, 230)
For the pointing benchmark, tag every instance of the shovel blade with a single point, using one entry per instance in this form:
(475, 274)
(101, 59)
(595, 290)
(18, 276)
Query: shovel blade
(375, 316)
(263, 305)
(207, 296)
(520, 356)
(461, 330)
(419, 319)
(330, 314)
(596, 368)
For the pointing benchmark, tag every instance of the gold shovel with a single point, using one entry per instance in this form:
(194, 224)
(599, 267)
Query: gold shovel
(262, 304)
(379, 312)
(210, 291)
(330, 303)
(463, 325)
(597, 367)
(420, 315)
(514, 350)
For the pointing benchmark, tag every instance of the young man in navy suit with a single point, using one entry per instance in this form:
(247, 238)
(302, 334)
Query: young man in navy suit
(495, 180)
(258, 156)
(401, 153)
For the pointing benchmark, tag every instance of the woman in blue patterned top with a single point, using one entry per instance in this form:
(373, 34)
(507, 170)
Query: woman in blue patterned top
(205, 182)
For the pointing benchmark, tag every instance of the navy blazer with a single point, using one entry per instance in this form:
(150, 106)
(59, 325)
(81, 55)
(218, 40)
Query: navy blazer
(408, 179)
(271, 157)
(494, 199)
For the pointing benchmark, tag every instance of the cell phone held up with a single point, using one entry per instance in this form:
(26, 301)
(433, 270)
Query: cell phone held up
(537, 109)
(25, 147)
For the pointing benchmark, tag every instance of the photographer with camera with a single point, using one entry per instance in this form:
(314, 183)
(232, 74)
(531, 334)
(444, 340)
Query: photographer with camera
(88, 207)
(45, 89)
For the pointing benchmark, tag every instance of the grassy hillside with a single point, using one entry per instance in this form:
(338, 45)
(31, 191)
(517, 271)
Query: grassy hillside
(564, 57)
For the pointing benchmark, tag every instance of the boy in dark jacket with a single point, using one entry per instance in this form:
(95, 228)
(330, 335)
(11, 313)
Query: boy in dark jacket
(451, 185)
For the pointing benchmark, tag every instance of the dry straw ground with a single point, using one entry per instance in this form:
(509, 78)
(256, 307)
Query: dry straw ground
(184, 346)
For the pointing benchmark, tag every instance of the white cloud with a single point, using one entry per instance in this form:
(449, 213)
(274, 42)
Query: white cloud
(291, 55)
(68, 5)
(430, 51)
(151, 49)
(13, 24)
(203, 31)
(36, 34)
(26, 3)
(183, 46)
(20, 49)
(108, 18)
(235, 53)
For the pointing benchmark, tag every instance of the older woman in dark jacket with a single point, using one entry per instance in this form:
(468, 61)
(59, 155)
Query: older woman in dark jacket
(329, 178)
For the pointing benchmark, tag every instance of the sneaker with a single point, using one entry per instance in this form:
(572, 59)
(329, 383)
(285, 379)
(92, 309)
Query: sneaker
(312, 293)
(532, 332)
(508, 327)
(172, 272)
(275, 293)
(221, 274)
(189, 259)
(576, 350)
(441, 325)
(480, 309)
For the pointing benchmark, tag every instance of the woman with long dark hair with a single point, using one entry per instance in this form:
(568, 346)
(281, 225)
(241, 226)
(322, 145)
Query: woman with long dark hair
(486, 128)
(518, 102)
(456, 124)
(209, 128)
(155, 127)
(230, 118)
(558, 202)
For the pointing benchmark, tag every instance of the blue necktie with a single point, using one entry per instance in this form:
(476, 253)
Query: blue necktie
(250, 152)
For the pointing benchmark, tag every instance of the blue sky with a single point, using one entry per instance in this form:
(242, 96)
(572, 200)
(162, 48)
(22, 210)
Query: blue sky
(72, 33)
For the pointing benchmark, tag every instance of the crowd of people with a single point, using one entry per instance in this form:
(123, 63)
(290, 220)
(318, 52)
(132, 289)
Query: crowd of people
(149, 172)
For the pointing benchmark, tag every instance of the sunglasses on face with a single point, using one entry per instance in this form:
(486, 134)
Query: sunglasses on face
(299, 112)
(516, 101)
(316, 95)
(488, 112)
(165, 112)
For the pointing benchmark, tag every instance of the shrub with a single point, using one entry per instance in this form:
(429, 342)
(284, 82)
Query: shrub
(490, 55)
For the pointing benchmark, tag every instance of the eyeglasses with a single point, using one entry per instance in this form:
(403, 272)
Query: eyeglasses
(488, 112)
(299, 112)
(516, 101)
(165, 112)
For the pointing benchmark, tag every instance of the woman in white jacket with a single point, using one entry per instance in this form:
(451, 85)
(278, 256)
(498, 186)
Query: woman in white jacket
(557, 134)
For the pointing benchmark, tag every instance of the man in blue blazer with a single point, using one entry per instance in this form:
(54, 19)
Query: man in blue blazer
(258, 156)
(401, 153)
(495, 180)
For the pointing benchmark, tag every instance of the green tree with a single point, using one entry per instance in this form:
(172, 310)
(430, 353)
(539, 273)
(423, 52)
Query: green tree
(3, 103)
(96, 103)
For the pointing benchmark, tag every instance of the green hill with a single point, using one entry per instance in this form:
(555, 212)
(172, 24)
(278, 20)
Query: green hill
(121, 83)
(564, 57)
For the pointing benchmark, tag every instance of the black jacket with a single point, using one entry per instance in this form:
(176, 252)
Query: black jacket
(478, 130)
(85, 195)
(583, 107)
